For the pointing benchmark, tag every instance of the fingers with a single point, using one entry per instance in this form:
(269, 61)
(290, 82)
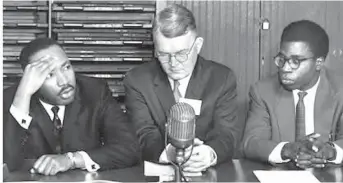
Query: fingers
(195, 167)
(305, 161)
(50, 169)
(319, 161)
(43, 165)
(42, 64)
(37, 164)
(198, 142)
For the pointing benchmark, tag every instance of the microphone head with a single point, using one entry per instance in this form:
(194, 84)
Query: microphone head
(181, 125)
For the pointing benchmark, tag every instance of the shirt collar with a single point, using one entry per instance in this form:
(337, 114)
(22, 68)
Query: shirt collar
(312, 89)
(48, 107)
(183, 81)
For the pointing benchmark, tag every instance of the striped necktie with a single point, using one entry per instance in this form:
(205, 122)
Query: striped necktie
(176, 91)
(300, 117)
(57, 129)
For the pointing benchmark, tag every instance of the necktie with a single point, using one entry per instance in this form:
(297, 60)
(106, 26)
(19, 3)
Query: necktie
(176, 92)
(300, 117)
(57, 130)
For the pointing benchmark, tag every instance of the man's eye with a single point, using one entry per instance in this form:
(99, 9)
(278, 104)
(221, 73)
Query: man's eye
(50, 75)
(67, 67)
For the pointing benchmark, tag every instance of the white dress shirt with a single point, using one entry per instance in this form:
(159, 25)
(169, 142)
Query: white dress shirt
(182, 89)
(24, 121)
(309, 99)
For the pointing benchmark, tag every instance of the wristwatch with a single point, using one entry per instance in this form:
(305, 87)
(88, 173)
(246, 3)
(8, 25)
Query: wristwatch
(72, 158)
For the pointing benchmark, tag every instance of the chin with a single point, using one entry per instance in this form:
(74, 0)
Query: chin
(65, 101)
(289, 86)
(177, 76)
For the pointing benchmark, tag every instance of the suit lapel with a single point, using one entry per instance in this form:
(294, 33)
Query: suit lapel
(163, 90)
(323, 107)
(72, 112)
(41, 117)
(195, 88)
(285, 112)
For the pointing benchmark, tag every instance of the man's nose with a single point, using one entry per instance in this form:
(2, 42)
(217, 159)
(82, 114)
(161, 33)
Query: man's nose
(61, 79)
(286, 67)
(173, 62)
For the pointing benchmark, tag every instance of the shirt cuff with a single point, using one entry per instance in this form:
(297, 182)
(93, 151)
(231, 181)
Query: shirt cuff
(163, 157)
(339, 155)
(24, 120)
(275, 155)
(90, 165)
(213, 156)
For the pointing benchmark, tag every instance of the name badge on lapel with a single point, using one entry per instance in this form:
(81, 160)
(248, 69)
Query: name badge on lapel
(196, 104)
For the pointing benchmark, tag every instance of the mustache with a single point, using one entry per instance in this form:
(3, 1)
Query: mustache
(66, 87)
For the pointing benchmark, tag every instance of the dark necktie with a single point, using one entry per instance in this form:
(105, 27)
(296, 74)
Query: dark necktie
(57, 128)
(300, 117)
(176, 92)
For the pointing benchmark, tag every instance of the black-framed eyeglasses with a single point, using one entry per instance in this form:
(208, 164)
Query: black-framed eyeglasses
(293, 62)
(180, 56)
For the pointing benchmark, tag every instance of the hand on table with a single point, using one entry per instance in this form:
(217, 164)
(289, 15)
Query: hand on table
(52, 164)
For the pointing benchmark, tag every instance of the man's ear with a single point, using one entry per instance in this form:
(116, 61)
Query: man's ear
(198, 44)
(319, 63)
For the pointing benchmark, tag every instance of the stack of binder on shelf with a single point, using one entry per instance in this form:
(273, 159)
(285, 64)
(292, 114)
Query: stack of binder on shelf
(105, 39)
(23, 21)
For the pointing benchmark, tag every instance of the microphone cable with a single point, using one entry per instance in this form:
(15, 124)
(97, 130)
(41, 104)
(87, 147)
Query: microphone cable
(175, 165)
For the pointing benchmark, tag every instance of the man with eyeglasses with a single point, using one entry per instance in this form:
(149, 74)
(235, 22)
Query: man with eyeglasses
(180, 75)
(296, 115)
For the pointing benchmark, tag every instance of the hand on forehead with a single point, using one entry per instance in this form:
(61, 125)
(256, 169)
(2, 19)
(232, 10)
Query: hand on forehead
(47, 59)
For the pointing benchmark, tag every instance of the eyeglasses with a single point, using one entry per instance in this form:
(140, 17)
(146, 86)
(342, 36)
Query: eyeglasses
(180, 57)
(293, 62)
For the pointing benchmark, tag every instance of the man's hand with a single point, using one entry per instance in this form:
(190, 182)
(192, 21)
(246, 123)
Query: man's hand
(33, 78)
(35, 74)
(200, 160)
(304, 160)
(326, 150)
(171, 151)
(321, 152)
(292, 149)
(52, 164)
(305, 146)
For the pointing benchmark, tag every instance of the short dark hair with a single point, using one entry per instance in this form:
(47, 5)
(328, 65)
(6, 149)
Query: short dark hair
(33, 47)
(173, 21)
(309, 32)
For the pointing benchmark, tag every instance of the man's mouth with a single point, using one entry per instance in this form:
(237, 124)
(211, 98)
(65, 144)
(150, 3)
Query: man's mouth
(286, 79)
(67, 92)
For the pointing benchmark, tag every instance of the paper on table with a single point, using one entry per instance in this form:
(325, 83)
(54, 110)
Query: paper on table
(154, 169)
(164, 172)
(91, 181)
(285, 176)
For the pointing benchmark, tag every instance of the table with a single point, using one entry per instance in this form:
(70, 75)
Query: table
(238, 170)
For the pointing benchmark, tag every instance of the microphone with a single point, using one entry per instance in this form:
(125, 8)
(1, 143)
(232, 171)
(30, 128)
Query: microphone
(180, 129)
(181, 125)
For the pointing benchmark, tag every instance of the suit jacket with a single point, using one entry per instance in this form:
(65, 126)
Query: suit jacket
(149, 98)
(93, 123)
(271, 117)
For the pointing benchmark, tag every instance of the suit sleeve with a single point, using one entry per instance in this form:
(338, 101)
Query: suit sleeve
(338, 131)
(227, 130)
(150, 138)
(257, 135)
(119, 144)
(14, 137)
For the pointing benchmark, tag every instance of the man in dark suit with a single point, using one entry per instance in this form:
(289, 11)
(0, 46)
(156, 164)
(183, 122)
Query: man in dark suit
(180, 75)
(296, 115)
(63, 120)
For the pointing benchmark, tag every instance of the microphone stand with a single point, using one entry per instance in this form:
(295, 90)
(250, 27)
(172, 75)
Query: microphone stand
(180, 158)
